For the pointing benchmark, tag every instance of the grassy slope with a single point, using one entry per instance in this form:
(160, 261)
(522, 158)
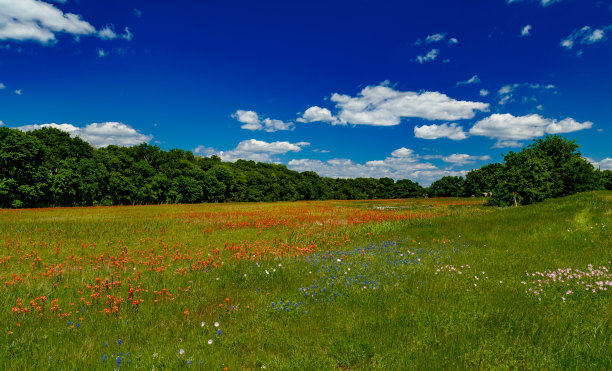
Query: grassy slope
(409, 315)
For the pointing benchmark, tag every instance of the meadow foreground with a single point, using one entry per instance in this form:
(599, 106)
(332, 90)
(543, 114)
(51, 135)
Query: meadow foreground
(393, 284)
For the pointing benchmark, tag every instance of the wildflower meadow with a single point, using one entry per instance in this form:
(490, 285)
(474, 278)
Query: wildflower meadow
(388, 284)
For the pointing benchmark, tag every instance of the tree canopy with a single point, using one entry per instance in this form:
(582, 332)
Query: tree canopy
(48, 167)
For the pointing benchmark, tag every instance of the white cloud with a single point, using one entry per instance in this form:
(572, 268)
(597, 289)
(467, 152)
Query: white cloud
(404, 153)
(392, 167)
(251, 121)
(402, 164)
(18, 92)
(585, 36)
(452, 131)
(382, 105)
(453, 41)
(102, 53)
(257, 150)
(318, 114)
(430, 56)
(107, 33)
(2, 86)
(99, 134)
(127, 34)
(137, 12)
(435, 38)
(509, 129)
(472, 80)
(507, 89)
(206, 151)
(605, 164)
(38, 21)
(463, 159)
(526, 31)
(271, 125)
(484, 92)
(1, 123)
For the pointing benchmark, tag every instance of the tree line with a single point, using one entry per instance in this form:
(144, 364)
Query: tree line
(48, 167)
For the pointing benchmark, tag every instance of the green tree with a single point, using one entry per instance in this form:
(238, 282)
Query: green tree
(23, 178)
(448, 186)
(482, 180)
(550, 167)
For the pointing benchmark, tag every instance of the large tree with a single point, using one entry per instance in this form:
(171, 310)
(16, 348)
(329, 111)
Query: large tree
(550, 167)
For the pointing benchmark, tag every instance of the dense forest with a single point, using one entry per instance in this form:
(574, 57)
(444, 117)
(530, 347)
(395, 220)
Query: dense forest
(48, 167)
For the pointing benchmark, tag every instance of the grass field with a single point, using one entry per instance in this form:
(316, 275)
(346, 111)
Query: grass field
(394, 284)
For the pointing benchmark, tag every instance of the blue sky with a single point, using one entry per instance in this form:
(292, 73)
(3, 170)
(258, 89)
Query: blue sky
(404, 89)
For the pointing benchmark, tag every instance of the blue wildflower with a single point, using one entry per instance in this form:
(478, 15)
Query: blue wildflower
(219, 332)
(104, 358)
(118, 361)
(119, 342)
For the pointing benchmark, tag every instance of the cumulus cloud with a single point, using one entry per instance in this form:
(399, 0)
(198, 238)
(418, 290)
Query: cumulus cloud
(435, 38)
(509, 129)
(585, 36)
(526, 31)
(430, 56)
(453, 41)
(382, 105)
(127, 34)
(251, 121)
(18, 92)
(318, 114)
(271, 125)
(472, 80)
(107, 33)
(484, 92)
(392, 167)
(405, 153)
(99, 134)
(463, 159)
(2, 86)
(1, 123)
(205, 151)
(38, 21)
(256, 150)
(102, 53)
(403, 163)
(452, 131)
(605, 164)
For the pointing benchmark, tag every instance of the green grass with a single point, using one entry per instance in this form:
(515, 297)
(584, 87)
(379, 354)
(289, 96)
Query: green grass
(406, 305)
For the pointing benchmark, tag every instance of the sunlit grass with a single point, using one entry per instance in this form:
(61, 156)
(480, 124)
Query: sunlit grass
(312, 285)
